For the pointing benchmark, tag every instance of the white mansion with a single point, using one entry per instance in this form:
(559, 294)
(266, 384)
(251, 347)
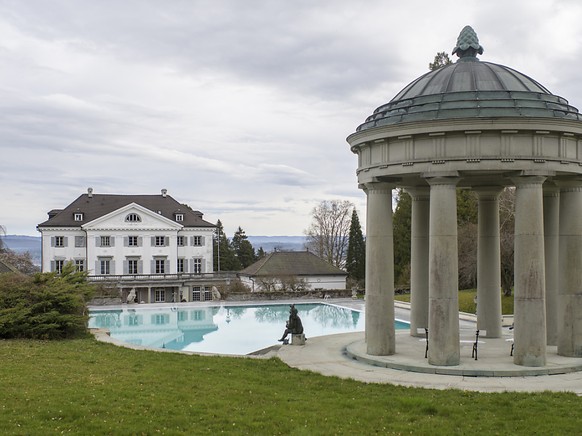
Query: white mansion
(149, 244)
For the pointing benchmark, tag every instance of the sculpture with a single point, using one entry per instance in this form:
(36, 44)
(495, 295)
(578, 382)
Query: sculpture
(293, 325)
(131, 296)
(215, 293)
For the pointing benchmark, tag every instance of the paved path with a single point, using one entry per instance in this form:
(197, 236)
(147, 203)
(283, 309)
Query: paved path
(334, 356)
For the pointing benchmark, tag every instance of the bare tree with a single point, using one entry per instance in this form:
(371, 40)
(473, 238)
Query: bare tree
(327, 236)
(2, 234)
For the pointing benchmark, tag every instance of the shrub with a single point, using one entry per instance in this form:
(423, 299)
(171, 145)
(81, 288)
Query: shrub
(44, 306)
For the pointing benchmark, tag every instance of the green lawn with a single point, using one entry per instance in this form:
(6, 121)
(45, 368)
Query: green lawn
(86, 387)
(467, 301)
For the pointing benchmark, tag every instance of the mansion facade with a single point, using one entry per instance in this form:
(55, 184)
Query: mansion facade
(150, 246)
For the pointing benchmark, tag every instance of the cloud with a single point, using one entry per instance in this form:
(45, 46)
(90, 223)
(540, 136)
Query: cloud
(240, 109)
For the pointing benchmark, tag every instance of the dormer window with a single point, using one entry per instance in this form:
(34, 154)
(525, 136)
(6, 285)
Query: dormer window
(133, 218)
(179, 217)
(78, 216)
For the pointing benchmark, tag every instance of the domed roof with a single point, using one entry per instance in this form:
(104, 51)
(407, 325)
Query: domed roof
(470, 88)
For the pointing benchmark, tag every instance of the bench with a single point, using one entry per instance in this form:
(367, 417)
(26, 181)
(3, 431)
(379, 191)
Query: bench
(475, 344)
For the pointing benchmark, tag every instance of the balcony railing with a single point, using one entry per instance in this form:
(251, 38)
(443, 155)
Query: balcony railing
(162, 277)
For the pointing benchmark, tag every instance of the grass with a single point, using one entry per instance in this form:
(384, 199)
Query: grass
(86, 387)
(467, 302)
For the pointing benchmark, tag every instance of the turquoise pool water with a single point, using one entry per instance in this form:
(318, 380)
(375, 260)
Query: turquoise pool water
(222, 329)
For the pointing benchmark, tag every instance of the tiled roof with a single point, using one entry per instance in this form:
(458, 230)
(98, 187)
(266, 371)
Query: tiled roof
(97, 205)
(285, 263)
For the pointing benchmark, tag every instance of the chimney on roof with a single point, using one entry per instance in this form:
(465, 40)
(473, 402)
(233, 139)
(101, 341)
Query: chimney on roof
(164, 193)
(90, 192)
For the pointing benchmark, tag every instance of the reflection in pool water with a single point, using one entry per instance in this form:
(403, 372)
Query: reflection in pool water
(222, 329)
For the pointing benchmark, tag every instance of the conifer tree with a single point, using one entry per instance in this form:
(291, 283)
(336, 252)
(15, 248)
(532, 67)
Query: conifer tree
(260, 253)
(402, 227)
(224, 257)
(243, 249)
(356, 256)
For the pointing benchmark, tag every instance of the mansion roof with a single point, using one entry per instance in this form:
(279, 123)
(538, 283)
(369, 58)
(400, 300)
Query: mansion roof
(93, 206)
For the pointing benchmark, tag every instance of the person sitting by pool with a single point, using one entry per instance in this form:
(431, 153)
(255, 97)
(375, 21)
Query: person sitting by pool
(294, 325)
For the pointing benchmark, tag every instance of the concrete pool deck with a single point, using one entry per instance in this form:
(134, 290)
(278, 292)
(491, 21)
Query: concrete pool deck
(344, 356)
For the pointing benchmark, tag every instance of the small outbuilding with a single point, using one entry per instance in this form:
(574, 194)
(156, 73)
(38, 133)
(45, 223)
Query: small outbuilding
(293, 271)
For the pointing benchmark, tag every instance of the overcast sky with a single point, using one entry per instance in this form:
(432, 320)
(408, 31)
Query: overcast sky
(239, 108)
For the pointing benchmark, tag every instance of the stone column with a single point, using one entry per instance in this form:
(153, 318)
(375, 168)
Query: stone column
(570, 276)
(551, 249)
(380, 338)
(419, 260)
(489, 263)
(443, 315)
(529, 281)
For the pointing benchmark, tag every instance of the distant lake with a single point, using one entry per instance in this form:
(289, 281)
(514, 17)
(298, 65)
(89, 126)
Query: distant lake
(32, 244)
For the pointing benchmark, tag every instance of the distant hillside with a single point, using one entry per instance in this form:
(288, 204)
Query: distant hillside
(32, 244)
(285, 243)
(22, 244)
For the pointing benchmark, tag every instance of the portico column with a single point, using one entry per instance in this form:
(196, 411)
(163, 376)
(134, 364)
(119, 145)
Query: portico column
(570, 259)
(551, 249)
(489, 263)
(380, 339)
(529, 279)
(419, 260)
(443, 315)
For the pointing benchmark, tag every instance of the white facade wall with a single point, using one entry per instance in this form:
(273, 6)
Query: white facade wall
(115, 227)
(323, 282)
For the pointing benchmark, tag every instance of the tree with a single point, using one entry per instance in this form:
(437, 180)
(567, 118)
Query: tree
(327, 236)
(243, 249)
(402, 222)
(2, 234)
(440, 60)
(506, 236)
(356, 256)
(45, 306)
(21, 261)
(224, 256)
(260, 253)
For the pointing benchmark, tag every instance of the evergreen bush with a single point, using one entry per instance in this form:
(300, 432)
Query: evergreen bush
(44, 306)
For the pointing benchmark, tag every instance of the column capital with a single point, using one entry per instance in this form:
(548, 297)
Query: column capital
(528, 181)
(490, 193)
(418, 192)
(442, 180)
(377, 186)
(550, 189)
(570, 185)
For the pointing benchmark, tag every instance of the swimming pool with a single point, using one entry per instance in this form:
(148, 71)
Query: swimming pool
(222, 329)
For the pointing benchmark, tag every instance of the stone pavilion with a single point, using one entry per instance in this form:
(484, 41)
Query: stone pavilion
(480, 126)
